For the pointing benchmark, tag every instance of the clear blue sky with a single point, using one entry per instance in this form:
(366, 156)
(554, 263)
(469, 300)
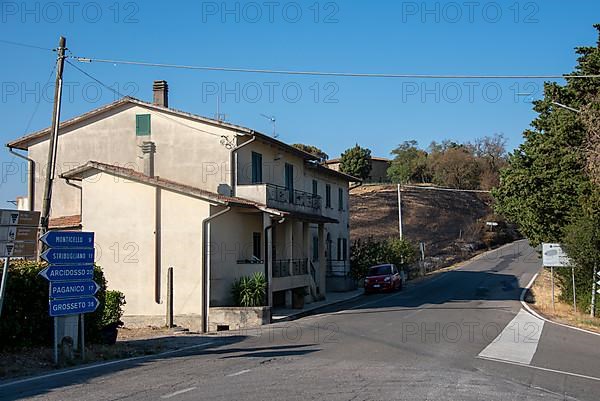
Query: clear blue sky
(503, 37)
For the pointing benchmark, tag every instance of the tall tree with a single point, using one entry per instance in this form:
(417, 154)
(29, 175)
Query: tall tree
(356, 161)
(313, 150)
(409, 164)
(454, 166)
(545, 182)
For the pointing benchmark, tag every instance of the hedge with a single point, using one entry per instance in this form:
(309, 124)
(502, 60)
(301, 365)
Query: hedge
(25, 320)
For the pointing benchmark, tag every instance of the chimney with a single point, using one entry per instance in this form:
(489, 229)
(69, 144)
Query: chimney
(148, 151)
(161, 93)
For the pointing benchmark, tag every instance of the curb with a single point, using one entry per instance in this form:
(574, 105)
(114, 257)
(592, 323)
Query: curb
(539, 316)
(312, 311)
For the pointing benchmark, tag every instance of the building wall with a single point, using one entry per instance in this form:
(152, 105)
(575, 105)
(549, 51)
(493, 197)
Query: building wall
(230, 243)
(187, 151)
(122, 214)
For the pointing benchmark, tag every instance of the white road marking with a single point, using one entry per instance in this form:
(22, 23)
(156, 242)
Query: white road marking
(103, 364)
(186, 390)
(534, 313)
(518, 341)
(562, 372)
(241, 372)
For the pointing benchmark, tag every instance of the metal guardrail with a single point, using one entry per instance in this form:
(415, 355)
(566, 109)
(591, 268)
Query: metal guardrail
(290, 267)
(280, 194)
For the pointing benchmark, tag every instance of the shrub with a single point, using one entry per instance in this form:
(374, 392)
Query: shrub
(25, 320)
(364, 254)
(250, 291)
(113, 308)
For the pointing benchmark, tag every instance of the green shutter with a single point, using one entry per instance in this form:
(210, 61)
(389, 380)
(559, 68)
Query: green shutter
(142, 125)
(256, 168)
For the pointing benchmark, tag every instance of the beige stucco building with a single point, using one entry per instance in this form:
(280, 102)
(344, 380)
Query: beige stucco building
(215, 201)
(379, 167)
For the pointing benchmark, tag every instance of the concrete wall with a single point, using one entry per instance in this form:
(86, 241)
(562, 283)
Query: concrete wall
(123, 216)
(239, 318)
(187, 151)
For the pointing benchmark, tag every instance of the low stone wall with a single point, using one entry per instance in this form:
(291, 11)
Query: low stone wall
(235, 318)
(340, 284)
(191, 322)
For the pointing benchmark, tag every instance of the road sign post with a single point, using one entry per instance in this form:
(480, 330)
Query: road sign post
(18, 231)
(70, 271)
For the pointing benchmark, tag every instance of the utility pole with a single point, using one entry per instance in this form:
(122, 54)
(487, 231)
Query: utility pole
(399, 213)
(51, 166)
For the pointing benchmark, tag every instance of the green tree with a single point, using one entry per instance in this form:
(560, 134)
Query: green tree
(313, 150)
(409, 164)
(356, 161)
(541, 189)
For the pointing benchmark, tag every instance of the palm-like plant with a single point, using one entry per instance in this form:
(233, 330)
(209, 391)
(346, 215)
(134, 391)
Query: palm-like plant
(250, 291)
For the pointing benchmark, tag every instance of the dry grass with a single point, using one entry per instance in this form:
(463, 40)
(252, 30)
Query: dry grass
(130, 343)
(541, 292)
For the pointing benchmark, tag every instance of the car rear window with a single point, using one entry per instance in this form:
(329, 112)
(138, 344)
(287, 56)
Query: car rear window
(380, 270)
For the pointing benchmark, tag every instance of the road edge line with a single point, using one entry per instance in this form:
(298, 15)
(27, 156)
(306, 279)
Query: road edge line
(538, 315)
(101, 365)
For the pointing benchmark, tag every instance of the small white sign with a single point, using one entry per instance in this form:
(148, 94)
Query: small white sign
(554, 256)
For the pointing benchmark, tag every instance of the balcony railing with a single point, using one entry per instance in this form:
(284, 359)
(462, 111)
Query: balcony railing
(290, 267)
(276, 193)
(338, 268)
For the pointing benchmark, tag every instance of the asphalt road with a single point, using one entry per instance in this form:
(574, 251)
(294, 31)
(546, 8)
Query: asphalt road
(461, 335)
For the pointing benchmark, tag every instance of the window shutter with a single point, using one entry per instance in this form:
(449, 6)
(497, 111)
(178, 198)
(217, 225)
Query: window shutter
(142, 125)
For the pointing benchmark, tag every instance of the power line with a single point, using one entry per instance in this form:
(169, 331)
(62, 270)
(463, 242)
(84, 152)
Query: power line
(116, 92)
(25, 45)
(121, 95)
(330, 74)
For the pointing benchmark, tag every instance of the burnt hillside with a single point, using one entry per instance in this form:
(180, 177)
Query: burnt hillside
(440, 219)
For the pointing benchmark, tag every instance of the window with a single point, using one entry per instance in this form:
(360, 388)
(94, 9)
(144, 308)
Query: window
(142, 125)
(342, 249)
(256, 168)
(315, 249)
(289, 181)
(327, 195)
(340, 199)
(256, 245)
(315, 185)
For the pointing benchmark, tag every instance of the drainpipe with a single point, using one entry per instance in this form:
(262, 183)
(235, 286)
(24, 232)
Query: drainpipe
(80, 188)
(31, 179)
(206, 266)
(233, 162)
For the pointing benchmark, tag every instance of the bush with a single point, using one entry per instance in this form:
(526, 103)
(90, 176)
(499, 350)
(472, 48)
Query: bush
(364, 254)
(113, 308)
(25, 320)
(250, 291)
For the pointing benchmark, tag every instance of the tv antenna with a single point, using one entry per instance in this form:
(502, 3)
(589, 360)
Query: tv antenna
(218, 115)
(273, 120)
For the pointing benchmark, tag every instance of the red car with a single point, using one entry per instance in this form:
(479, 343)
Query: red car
(384, 278)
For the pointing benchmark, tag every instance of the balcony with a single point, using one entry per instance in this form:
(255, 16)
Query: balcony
(281, 198)
(289, 274)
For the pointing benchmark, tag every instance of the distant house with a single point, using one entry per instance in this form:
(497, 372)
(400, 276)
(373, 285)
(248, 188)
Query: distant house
(215, 201)
(379, 166)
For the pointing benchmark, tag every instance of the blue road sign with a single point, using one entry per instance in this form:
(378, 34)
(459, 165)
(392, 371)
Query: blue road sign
(72, 289)
(60, 256)
(73, 306)
(68, 239)
(68, 272)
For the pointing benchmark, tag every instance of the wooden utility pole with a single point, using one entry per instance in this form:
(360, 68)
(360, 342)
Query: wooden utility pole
(51, 165)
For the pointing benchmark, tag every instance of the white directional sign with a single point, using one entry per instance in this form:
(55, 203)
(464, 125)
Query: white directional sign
(554, 256)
